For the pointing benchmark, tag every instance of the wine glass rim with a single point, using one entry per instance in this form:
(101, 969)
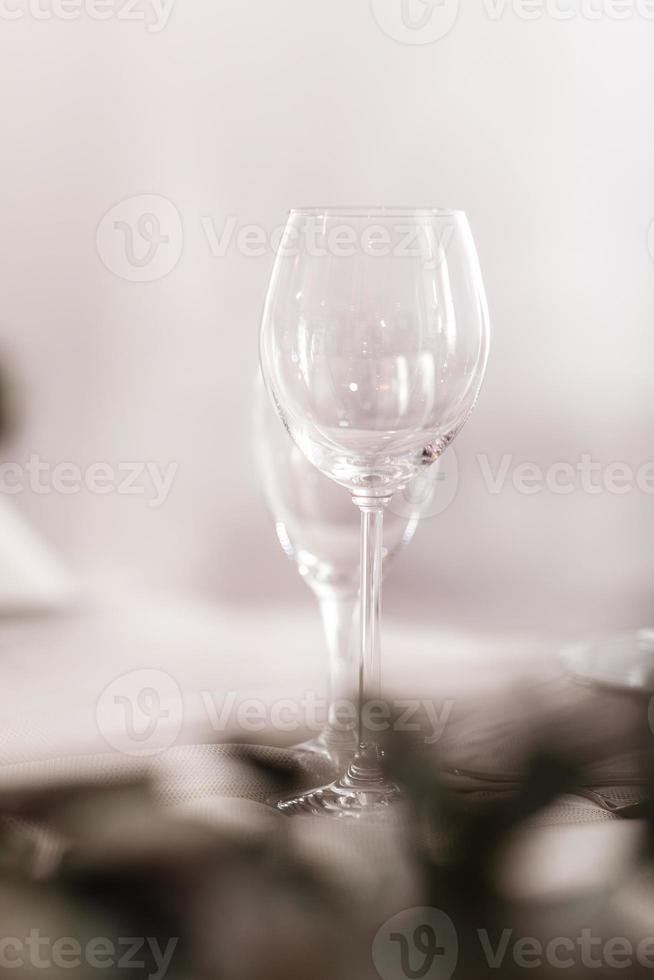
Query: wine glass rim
(376, 211)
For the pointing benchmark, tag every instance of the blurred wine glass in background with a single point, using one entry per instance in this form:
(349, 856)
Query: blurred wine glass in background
(620, 660)
(318, 529)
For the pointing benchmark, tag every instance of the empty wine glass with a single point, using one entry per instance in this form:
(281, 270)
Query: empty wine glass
(373, 346)
(318, 529)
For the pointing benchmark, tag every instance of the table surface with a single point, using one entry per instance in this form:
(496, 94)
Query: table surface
(60, 674)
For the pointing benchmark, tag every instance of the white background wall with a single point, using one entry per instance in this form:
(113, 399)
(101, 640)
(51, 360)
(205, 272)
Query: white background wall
(540, 129)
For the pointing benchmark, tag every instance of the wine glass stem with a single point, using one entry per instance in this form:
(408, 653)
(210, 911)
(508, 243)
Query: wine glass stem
(337, 609)
(367, 762)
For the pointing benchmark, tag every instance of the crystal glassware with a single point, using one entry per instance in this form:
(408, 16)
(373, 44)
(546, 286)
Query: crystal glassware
(318, 529)
(374, 343)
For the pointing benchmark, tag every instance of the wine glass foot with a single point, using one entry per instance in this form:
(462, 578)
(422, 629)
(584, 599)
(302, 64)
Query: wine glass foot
(345, 797)
(623, 660)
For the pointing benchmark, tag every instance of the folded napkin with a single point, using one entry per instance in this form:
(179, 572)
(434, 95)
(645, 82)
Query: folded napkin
(32, 579)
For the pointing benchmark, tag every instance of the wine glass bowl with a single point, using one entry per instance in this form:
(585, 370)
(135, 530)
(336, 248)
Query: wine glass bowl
(374, 350)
